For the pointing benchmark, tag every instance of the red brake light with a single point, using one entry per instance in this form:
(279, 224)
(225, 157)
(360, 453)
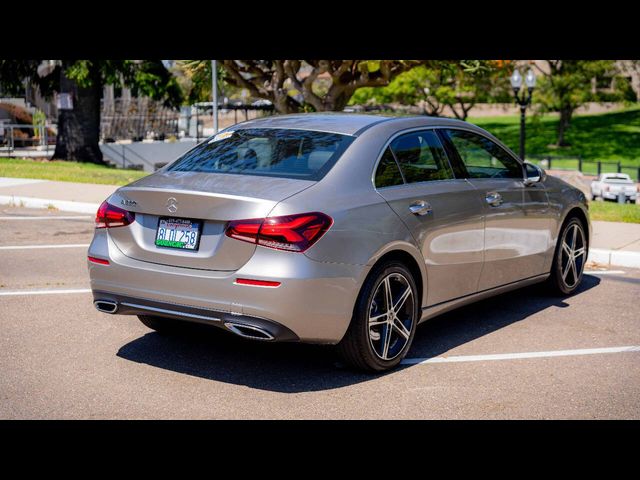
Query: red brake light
(295, 233)
(109, 216)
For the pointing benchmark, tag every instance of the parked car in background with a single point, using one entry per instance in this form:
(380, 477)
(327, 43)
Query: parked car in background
(609, 185)
(335, 229)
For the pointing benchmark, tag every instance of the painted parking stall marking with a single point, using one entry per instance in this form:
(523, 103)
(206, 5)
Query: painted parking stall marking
(49, 217)
(31, 247)
(59, 291)
(517, 356)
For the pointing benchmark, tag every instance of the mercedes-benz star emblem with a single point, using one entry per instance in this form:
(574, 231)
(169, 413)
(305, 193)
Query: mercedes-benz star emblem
(172, 205)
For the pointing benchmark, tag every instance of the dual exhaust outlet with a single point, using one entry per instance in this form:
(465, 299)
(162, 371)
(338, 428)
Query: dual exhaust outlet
(252, 332)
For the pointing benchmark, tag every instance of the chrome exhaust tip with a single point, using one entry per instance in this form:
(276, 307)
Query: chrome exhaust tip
(106, 306)
(249, 331)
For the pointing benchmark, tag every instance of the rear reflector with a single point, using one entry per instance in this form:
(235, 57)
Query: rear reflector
(295, 233)
(98, 260)
(256, 283)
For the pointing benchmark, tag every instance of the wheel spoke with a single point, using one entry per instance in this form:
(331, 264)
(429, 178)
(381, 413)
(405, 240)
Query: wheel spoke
(387, 342)
(566, 248)
(376, 320)
(400, 328)
(402, 300)
(575, 234)
(580, 251)
(567, 268)
(387, 294)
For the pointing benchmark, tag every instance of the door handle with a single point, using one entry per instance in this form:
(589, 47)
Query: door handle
(494, 199)
(420, 207)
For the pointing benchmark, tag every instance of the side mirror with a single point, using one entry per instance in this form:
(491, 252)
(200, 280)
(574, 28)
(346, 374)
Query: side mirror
(533, 174)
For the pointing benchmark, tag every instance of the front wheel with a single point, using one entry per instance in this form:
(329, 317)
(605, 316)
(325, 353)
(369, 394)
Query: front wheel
(569, 259)
(384, 320)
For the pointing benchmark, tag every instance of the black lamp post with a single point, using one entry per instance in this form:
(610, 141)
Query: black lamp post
(523, 100)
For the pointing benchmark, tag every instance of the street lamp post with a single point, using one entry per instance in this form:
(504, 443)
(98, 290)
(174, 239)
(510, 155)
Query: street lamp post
(523, 100)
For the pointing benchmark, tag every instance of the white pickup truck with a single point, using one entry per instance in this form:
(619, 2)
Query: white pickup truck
(608, 185)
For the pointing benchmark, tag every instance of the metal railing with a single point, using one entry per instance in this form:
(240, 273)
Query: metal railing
(12, 136)
(587, 167)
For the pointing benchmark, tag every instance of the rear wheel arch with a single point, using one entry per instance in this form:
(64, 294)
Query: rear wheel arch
(408, 260)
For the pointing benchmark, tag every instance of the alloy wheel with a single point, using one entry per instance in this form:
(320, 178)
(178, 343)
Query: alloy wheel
(573, 255)
(391, 316)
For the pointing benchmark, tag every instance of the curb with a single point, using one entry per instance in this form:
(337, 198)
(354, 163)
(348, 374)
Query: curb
(65, 205)
(614, 257)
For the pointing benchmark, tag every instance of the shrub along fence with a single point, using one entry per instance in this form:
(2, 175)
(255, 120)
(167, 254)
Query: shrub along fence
(587, 167)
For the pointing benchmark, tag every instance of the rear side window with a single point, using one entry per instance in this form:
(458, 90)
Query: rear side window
(483, 158)
(421, 157)
(302, 154)
(388, 174)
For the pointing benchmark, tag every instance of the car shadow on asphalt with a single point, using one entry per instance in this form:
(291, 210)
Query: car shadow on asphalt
(217, 355)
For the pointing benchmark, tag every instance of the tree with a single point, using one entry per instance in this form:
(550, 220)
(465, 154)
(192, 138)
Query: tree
(565, 85)
(444, 87)
(297, 85)
(79, 128)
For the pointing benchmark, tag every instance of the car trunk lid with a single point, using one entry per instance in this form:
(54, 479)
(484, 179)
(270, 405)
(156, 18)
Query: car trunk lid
(211, 198)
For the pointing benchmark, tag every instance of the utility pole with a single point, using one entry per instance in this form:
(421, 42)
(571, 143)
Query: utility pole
(214, 90)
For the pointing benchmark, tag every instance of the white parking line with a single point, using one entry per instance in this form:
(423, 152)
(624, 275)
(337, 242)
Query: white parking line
(604, 272)
(515, 356)
(43, 292)
(30, 247)
(50, 217)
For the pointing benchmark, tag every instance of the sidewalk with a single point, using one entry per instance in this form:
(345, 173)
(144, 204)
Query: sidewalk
(613, 243)
(66, 196)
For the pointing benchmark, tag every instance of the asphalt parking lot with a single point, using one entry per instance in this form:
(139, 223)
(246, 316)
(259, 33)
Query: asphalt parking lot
(62, 359)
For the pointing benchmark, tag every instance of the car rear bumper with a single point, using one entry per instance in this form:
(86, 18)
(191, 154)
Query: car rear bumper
(314, 302)
(614, 196)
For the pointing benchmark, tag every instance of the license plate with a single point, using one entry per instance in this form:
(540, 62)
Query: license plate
(178, 233)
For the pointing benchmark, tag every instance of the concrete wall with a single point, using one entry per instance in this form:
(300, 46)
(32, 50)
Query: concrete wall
(146, 154)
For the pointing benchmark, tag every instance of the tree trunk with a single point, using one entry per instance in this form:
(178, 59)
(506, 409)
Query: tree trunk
(563, 125)
(79, 128)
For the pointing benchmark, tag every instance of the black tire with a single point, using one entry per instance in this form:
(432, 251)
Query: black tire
(164, 326)
(357, 347)
(558, 284)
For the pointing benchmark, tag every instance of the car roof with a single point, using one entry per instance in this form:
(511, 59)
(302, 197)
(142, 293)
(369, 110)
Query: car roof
(336, 122)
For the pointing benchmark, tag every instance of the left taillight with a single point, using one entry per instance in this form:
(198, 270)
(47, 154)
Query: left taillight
(109, 216)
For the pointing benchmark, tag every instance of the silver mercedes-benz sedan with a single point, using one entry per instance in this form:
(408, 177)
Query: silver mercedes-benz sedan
(335, 229)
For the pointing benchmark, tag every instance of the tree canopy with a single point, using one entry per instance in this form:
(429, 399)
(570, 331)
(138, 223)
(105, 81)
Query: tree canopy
(565, 85)
(79, 129)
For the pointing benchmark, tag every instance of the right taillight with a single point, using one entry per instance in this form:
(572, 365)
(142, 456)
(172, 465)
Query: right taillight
(109, 216)
(294, 233)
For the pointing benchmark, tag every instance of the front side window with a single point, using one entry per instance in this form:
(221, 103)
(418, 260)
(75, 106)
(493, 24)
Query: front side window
(482, 157)
(421, 157)
(302, 154)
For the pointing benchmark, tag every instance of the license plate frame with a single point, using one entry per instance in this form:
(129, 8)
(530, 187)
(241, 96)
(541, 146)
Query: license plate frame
(197, 224)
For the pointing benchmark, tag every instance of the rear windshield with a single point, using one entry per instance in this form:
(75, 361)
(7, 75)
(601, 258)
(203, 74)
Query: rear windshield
(617, 180)
(302, 154)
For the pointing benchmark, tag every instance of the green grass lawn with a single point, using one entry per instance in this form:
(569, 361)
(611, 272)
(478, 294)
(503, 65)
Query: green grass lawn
(67, 171)
(611, 136)
(614, 212)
